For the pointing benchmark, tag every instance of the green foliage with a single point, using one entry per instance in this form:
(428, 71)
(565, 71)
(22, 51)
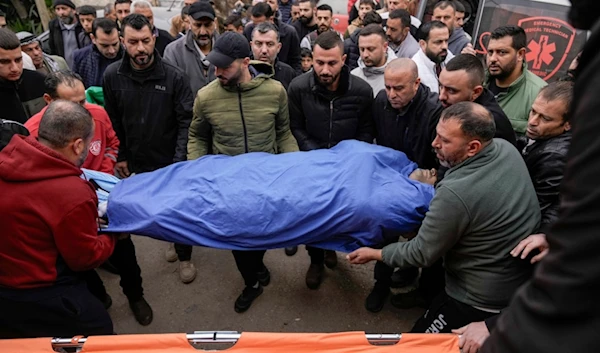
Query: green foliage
(30, 24)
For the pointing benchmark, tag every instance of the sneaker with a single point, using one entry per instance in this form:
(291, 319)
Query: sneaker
(330, 258)
(404, 277)
(376, 299)
(142, 311)
(314, 276)
(107, 302)
(409, 300)
(264, 277)
(170, 253)
(244, 301)
(291, 251)
(187, 271)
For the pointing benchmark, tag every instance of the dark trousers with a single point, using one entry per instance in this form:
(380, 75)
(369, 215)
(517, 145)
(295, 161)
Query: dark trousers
(184, 252)
(123, 258)
(58, 311)
(317, 256)
(249, 263)
(432, 281)
(446, 314)
(382, 272)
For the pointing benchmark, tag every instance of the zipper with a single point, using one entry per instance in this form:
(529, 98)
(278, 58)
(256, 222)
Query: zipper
(330, 122)
(243, 120)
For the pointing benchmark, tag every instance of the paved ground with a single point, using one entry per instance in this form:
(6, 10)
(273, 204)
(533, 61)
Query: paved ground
(286, 305)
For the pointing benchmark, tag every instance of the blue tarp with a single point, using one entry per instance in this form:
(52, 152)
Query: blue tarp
(336, 199)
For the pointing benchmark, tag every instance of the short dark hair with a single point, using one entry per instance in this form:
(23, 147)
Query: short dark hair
(519, 38)
(261, 9)
(471, 64)
(425, 29)
(367, 2)
(561, 91)
(185, 11)
(312, 2)
(2, 14)
(55, 79)
(372, 17)
(476, 121)
(444, 4)
(233, 20)
(403, 15)
(329, 40)
(135, 21)
(325, 7)
(265, 27)
(373, 29)
(9, 40)
(117, 2)
(107, 25)
(305, 52)
(63, 122)
(459, 7)
(87, 10)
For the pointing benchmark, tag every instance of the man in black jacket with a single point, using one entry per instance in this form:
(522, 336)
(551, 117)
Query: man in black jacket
(21, 90)
(65, 31)
(306, 22)
(149, 102)
(461, 80)
(265, 46)
(405, 115)
(558, 309)
(290, 43)
(163, 38)
(328, 105)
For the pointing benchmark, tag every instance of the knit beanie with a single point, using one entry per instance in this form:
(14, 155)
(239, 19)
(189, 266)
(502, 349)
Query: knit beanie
(68, 3)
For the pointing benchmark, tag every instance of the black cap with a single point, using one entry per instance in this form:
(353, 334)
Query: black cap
(201, 9)
(229, 47)
(67, 3)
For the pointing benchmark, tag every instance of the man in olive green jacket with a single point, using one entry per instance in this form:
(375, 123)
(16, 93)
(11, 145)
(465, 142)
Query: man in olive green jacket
(243, 111)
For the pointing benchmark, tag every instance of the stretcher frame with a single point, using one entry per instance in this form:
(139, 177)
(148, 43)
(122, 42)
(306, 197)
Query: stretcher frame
(198, 337)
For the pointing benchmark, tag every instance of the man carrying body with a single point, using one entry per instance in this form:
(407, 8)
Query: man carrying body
(375, 54)
(473, 222)
(43, 62)
(328, 105)
(65, 31)
(91, 62)
(265, 46)
(48, 240)
(434, 55)
(152, 127)
(261, 125)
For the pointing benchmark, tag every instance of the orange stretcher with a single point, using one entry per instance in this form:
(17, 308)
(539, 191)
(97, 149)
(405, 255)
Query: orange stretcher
(247, 342)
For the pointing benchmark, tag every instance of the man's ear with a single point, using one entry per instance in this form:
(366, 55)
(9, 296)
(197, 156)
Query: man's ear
(567, 126)
(473, 147)
(279, 45)
(521, 54)
(344, 58)
(422, 44)
(78, 146)
(48, 99)
(477, 91)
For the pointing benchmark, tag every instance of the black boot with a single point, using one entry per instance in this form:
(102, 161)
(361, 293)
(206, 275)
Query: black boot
(244, 301)
(142, 311)
(377, 297)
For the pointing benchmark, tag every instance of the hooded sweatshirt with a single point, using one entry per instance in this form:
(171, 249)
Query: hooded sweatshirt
(373, 75)
(48, 216)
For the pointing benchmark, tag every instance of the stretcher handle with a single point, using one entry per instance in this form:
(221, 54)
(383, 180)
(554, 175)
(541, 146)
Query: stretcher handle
(224, 337)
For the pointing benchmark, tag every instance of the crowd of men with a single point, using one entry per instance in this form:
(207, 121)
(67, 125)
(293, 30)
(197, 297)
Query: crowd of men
(276, 81)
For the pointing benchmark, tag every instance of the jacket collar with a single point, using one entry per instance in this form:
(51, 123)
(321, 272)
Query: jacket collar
(157, 73)
(373, 71)
(102, 57)
(344, 86)
(473, 160)
(259, 70)
(421, 91)
(520, 81)
(428, 62)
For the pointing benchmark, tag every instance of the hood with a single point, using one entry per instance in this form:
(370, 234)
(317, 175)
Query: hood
(25, 159)
(456, 34)
(391, 55)
(260, 72)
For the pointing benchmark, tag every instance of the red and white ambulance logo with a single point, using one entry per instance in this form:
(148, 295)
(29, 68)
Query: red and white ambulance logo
(549, 42)
(95, 147)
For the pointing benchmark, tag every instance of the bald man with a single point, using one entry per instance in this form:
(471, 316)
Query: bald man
(405, 115)
(485, 205)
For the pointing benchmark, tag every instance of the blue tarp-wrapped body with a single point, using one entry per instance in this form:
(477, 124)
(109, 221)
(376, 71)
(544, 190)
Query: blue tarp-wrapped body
(337, 199)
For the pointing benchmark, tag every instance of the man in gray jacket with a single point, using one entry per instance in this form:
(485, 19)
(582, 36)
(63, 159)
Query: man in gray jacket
(189, 52)
(482, 209)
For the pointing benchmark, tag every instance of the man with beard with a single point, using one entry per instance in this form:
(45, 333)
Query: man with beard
(433, 56)
(445, 12)
(65, 31)
(21, 90)
(514, 86)
(189, 54)
(324, 19)
(558, 307)
(260, 125)
(43, 62)
(290, 43)
(163, 38)
(462, 81)
(375, 54)
(307, 22)
(149, 102)
(265, 46)
(393, 5)
(51, 236)
(328, 105)
(474, 220)
(398, 32)
(351, 50)
(91, 62)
